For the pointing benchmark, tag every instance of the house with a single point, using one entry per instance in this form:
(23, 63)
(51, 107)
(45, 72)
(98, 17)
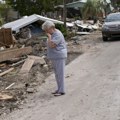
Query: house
(80, 3)
(17, 25)
(74, 9)
(75, 4)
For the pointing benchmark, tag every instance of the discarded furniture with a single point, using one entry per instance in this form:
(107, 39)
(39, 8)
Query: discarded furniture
(6, 37)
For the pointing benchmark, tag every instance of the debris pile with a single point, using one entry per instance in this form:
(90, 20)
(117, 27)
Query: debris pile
(23, 66)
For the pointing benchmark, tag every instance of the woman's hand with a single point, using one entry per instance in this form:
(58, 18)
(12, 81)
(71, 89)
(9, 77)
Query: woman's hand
(53, 45)
(49, 36)
(50, 43)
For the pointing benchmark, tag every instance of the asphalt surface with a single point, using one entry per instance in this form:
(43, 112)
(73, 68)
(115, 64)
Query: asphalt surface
(92, 90)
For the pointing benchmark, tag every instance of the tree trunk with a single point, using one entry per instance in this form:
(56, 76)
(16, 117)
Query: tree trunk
(64, 13)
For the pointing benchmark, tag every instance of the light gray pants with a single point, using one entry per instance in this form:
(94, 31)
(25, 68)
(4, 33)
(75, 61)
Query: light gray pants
(59, 69)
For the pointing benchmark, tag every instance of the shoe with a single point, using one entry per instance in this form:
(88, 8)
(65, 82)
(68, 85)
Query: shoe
(59, 94)
(55, 92)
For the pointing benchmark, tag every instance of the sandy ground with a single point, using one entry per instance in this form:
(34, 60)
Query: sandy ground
(92, 90)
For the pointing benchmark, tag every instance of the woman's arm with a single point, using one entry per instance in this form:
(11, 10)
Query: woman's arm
(50, 43)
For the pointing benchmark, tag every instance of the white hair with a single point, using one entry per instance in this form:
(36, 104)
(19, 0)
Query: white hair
(47, 24)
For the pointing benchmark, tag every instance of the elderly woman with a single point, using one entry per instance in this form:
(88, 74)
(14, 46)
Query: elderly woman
(57, 53)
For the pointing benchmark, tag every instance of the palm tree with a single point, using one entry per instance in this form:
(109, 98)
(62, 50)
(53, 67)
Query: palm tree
(92, 8)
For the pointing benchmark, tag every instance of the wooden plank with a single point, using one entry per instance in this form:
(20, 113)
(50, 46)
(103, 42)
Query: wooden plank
(27, 65)
(37, 59)
(6, 37)
(7, 71)
(34, 57)
(83, 33)
(1, 38)
(4, 96)
(12, 53)
(18, 63)
(9, 86)
(30, 61)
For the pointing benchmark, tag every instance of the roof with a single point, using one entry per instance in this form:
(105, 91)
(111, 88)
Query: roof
(117, 13)
(20, 23)
(79, 3)
(108, 1)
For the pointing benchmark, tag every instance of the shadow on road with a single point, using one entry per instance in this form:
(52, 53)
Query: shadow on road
(114, 40)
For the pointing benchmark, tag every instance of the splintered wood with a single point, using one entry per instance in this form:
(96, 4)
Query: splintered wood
(4, 96)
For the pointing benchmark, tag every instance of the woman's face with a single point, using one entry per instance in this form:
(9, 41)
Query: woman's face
(50, 30)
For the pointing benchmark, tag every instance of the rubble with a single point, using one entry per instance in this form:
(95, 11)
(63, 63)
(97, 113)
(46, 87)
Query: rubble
(30, 90)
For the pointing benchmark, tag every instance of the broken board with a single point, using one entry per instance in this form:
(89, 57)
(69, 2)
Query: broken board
(82, 33)
(27, 65)
(5, 97)
(7, 71)
(12, 53)
(37, 59)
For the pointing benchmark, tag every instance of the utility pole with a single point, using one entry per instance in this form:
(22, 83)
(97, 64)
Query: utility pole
(64, 12)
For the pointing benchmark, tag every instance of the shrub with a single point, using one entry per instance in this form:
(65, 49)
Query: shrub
(62, 29)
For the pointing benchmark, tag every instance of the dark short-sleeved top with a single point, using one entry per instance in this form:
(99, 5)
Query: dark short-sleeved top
(60, 51)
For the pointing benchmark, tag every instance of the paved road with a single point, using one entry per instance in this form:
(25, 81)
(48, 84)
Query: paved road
(92, 86)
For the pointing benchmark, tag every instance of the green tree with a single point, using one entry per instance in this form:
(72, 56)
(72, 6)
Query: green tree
(115, 3)
(28, 7)
(95, 7)
(4, 8)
